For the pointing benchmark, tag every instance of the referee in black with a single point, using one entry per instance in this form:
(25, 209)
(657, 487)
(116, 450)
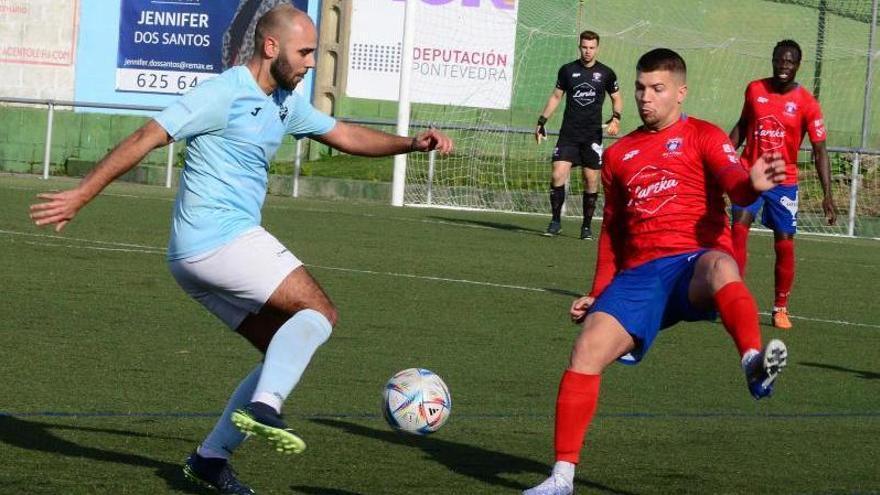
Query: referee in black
(584, 83)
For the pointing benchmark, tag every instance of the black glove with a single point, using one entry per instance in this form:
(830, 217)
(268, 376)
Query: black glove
(614, 115)
(541, 130)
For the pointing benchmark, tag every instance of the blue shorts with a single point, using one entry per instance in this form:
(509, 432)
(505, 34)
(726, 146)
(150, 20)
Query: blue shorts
(651, 297)
(780, 207)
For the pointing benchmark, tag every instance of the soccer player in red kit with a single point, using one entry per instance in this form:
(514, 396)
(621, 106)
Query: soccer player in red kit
(664, 253)
(776, 114)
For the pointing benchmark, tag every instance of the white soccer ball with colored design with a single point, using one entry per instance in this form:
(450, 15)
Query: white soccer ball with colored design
(416, 401)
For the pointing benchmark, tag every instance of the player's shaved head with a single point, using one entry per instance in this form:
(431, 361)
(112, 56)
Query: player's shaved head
(285, 41)
(275, 22)
(660, 59)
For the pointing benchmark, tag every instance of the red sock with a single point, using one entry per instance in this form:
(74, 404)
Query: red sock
(575, 405)
(739, 313)
(784, 271)
(741, 246)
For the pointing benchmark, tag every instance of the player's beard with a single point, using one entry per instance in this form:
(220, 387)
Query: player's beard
(283, 73)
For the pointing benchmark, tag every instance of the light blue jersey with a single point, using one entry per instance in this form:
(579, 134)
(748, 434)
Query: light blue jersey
(234, 130)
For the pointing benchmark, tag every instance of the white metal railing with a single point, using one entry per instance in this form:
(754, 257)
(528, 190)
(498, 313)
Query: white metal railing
(52, 104)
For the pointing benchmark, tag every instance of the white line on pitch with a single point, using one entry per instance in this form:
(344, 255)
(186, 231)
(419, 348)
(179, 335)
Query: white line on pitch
(66, 238)
(425, 277)
(157, 250)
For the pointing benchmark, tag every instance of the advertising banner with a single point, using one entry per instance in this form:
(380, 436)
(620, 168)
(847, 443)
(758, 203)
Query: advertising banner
(37, 48)
(169, 46)
(463, 52)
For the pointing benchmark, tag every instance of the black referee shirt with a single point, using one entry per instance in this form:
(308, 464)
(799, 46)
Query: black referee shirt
(585, 89)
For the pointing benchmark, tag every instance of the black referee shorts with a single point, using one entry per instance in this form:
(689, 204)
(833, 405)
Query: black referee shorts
(587, 153)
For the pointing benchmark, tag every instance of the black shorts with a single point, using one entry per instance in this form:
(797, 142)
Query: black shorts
(585, 154)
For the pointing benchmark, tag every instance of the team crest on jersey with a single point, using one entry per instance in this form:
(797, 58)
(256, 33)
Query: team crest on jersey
(597, 76)
(650, 189)
(790, 108)
(584, 94)
(282, 112)
(673, 146)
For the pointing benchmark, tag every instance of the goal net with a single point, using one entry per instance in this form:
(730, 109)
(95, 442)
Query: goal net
(497, 164)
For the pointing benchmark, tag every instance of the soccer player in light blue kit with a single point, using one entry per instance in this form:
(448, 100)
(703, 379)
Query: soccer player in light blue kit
(218, 252)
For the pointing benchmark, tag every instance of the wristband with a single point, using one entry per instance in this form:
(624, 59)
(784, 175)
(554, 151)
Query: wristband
(412, 145)
(615, 115)
(542, 120)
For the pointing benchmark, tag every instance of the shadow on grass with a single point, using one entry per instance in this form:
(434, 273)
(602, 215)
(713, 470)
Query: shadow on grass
(481, 464)
(491, 225)
(39, 436)
(866, 375)
(319, 490)
(563, 292)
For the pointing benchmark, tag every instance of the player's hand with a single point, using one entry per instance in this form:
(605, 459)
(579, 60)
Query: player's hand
(431, 140)
(540, 133)
(580, 307)
(828, 208)
(613, 127)
(57, 208)
(768, 171)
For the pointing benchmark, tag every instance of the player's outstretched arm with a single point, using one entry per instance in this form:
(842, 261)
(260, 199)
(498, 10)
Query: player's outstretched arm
(59, 208)
(358, 140)
(767, 172)
(823, 169)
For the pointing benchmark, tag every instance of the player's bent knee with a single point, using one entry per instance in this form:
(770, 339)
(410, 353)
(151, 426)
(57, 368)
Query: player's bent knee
(331, 314)
(722, 269)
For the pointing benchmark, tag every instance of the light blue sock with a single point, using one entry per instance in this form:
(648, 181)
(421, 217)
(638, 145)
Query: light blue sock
(288, 354)
(225, 437)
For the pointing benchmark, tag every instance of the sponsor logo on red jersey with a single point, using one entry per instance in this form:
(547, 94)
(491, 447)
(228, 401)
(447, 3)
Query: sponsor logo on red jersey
(629, 154)
(819, 124)
(650, 189)
(770, 133)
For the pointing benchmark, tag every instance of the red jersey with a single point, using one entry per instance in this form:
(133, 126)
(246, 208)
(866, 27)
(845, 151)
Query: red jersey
(664, 195)
(778, 122)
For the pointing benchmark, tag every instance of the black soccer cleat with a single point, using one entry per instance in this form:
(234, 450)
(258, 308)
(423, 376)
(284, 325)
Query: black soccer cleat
(215, 474)
(553, 229)
(586, 233)
(263, 421)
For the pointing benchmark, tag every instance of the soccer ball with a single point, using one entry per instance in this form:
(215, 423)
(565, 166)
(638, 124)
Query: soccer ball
(416, 401)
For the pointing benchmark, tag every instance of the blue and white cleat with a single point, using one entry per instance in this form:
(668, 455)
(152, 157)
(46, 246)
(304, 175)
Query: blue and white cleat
(556, 484)
(762, 368)
(215, 474)
(261, 420)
